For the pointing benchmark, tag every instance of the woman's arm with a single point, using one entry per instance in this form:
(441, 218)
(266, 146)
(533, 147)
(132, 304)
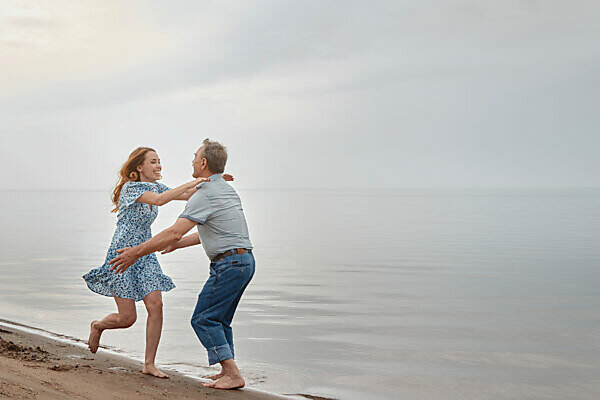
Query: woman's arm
(188, 193)
(172, 194)
(186, 241)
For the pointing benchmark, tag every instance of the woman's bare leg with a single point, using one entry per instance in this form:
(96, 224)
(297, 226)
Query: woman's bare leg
(124, 318)
(153, 302)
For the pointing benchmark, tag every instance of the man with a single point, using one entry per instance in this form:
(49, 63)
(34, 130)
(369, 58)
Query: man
(217, 212)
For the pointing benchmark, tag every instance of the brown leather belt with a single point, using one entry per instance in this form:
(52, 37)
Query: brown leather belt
(230, 252)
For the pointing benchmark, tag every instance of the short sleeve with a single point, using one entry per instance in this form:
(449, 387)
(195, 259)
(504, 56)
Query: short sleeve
(198, 208)
(131, 191)
(162, 187)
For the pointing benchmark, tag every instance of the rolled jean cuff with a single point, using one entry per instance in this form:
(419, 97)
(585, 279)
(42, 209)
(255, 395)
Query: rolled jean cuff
(219, 353)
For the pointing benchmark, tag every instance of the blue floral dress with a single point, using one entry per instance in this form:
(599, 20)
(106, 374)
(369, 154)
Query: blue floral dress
(133, 227)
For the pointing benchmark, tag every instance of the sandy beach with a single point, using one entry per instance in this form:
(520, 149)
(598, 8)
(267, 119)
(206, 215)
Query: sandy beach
(37, 367)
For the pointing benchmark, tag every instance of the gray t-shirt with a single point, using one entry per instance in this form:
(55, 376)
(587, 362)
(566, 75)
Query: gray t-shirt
(217, 209)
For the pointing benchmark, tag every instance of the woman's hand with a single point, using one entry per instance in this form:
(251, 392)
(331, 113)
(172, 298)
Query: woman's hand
(228, 177)
(199, 181)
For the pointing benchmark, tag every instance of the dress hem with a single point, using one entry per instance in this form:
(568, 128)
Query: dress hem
(107, 294)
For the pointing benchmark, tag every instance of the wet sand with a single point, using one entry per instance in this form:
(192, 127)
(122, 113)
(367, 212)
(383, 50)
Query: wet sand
(37, 367)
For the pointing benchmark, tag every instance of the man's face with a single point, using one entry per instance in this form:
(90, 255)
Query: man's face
(199, 163)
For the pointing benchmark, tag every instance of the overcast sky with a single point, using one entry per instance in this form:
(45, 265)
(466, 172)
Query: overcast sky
(305, 94)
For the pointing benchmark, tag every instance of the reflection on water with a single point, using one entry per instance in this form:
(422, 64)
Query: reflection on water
(402, 294)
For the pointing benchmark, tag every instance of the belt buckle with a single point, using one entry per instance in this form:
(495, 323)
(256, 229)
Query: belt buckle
(240, 251)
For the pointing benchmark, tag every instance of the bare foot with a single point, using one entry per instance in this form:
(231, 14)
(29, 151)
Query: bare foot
(152, 370)
(94, 339)
(214, 377)
(227, 382)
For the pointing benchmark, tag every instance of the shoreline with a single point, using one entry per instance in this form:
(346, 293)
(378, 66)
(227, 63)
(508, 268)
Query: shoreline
(35, 363)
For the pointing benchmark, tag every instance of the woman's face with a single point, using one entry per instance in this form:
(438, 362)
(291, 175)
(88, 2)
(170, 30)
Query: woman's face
(150, 168)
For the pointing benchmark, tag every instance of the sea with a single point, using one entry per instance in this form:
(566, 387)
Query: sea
(358, 294)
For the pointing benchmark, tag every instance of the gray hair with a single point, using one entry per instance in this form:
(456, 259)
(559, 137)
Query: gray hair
(216, 156)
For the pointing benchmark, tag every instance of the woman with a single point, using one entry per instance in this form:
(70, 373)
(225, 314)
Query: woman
(136, 198)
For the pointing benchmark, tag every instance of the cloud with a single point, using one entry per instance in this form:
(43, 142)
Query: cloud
(444, 93)
(44, 43)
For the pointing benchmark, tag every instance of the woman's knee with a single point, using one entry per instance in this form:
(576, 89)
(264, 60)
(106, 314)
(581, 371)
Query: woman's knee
(127, 319)
(154, 306)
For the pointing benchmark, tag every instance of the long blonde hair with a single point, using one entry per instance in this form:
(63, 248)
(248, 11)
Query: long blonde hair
(129, 172)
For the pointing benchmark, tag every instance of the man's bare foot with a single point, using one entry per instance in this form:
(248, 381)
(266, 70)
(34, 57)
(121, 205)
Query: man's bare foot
(214, 377)
(94, 339)
(152, 370)
(227, 382)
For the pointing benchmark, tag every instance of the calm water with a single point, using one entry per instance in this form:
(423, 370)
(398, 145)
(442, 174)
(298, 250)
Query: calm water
(487, 294)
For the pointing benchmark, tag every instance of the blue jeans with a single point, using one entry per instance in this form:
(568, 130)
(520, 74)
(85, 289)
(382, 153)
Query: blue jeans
(217, 303)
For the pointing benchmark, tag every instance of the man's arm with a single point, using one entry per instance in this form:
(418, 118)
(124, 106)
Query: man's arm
(130, 255)
(186, 241)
